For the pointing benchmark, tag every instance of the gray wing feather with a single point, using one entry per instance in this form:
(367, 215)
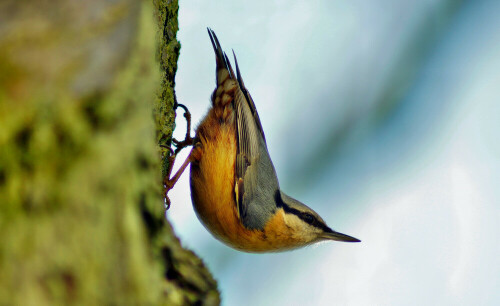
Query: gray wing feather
(248, 98)
(254, 169)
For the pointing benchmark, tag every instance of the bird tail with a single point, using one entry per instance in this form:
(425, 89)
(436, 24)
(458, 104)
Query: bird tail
(223, 69)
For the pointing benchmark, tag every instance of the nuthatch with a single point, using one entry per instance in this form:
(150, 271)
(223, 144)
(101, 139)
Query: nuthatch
(234, 187)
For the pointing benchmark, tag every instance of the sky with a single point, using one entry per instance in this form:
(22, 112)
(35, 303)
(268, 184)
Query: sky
(382, 116)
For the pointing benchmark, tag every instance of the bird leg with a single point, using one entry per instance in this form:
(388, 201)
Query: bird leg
(168, 182)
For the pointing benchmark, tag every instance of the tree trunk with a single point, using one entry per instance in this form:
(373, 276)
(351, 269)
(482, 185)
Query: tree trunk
(81, 208)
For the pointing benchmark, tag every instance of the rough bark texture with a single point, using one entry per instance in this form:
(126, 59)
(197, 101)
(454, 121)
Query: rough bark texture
(81, 212)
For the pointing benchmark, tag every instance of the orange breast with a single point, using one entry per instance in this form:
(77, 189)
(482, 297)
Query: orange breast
(212, 193)
(212, 178)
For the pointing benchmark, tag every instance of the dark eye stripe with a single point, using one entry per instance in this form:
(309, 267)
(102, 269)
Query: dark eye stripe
(304, 216)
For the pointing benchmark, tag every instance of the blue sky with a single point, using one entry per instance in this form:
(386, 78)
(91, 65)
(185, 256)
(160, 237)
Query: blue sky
(380, 115)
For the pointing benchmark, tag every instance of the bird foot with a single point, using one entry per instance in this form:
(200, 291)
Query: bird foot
(168, 182)
(188, 140)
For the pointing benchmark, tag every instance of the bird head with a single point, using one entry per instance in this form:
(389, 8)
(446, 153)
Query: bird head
(305, 224)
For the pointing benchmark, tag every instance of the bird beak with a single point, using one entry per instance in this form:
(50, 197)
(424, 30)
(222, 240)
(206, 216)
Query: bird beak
(338, 237)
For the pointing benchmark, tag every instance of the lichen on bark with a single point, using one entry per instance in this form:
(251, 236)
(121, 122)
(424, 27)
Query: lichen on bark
(167, 54)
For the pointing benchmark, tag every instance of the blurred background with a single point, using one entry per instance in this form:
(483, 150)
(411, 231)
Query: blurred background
(380, 115)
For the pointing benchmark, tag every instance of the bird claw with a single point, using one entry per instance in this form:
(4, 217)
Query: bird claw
(188, 140)
(168, 182)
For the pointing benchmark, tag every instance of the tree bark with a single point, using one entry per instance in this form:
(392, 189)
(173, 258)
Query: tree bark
(81, 208)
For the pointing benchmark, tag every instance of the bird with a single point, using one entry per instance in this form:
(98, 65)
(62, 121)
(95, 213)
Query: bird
(234, 187)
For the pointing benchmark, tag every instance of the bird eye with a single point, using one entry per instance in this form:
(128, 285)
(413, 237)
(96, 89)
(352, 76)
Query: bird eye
(308, 217)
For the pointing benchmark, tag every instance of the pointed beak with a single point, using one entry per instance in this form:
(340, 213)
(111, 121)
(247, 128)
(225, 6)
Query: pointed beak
(333, 235)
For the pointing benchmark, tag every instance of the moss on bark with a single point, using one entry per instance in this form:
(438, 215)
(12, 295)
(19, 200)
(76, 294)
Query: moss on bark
(81, 213)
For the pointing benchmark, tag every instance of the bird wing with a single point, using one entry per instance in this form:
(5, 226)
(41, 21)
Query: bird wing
(255, 178)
